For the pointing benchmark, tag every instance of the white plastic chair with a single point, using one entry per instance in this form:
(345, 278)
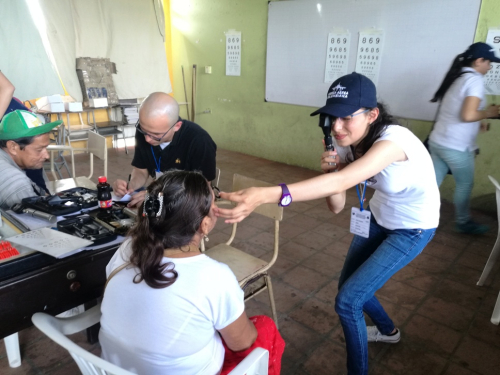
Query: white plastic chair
(495, 253)
(57, 329)
(256, 363)
(12, 347)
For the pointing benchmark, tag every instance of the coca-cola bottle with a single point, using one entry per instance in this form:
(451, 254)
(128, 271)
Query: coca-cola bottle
(104, 194)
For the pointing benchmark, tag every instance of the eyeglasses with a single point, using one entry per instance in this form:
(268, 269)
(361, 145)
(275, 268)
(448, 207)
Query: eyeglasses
(154, 137)
(348, 118)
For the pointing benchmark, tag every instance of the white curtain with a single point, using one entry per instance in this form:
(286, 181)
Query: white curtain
(23, 59)
(125, 31)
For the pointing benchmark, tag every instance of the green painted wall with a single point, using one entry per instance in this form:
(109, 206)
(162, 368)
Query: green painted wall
(240, 119)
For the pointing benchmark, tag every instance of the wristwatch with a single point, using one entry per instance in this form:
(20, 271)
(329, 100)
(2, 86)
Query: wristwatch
(286, 197)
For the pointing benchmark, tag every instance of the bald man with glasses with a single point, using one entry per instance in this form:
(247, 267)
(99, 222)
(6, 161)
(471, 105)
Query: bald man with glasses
(164, 141)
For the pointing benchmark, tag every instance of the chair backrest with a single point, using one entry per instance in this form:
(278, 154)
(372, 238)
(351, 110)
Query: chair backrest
(96, 145)
(256, 363)
(271, 210)
(216, 180)
(497, 186)
(57, 328)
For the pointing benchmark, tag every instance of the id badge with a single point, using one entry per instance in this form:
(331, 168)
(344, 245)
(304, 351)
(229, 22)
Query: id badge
(158, 174)
(360, 222)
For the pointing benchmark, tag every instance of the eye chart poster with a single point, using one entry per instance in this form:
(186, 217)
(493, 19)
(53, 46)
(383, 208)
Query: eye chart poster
(337, 55)
(233, 53)
(492, 78)
(370, 46)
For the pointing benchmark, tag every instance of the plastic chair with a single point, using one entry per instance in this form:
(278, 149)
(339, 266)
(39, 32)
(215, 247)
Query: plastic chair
(216, 180)
(96, 145)
(495, 252)
(251, 272)
(12, 347)
(256, 363)
(57, 329)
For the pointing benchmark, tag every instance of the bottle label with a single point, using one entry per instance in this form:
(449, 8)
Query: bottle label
(106, 204)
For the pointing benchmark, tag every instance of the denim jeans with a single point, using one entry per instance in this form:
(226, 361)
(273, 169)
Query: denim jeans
(461, 164)
(370, 262)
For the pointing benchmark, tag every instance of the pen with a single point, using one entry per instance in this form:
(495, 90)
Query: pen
(129, 177)
(137, 190)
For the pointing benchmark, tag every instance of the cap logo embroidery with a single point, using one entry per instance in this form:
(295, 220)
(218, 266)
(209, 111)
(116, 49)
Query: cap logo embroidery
(338, 92)
(31, 120)
(177, 161)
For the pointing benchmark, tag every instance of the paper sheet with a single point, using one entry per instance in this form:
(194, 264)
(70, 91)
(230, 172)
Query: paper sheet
(51, 242)
(125, 198)
(337, 55)
(492, 78)
(31, 222)
(369, 57)
(233, 53)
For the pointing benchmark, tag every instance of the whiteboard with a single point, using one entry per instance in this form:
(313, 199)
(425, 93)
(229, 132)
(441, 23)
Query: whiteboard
(422, 37)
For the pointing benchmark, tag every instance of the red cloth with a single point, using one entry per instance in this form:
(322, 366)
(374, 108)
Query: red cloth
(268, 337)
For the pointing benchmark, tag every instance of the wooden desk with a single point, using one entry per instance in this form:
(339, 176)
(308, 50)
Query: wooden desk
(39, 282)
(34, 282)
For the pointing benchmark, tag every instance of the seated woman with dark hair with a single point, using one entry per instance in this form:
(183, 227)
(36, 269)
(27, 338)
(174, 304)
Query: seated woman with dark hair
(166, 303)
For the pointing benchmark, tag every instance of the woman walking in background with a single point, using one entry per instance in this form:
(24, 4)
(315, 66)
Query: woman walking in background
(452, 142)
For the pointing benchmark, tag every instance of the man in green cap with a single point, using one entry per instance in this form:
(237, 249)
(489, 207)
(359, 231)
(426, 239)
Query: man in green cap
(23, 145)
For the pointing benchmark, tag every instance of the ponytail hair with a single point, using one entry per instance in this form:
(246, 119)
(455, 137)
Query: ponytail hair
(455, 71)
(375, 130)
(175, 206)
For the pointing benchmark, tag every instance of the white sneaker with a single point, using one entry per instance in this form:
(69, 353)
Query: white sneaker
(374, 335)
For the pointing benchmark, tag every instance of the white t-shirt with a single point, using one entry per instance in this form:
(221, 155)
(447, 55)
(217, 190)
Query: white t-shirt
(172, 330)
(406, 193)
(449, 130)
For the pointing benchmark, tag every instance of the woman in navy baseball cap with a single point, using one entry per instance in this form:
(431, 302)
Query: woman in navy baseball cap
(391, 231)
(452, 142)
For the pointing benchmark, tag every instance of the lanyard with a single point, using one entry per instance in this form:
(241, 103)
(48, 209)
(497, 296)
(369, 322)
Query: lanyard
(362, 196)
(158, 163)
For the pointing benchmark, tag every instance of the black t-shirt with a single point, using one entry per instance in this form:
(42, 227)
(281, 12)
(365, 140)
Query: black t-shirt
(191, 149)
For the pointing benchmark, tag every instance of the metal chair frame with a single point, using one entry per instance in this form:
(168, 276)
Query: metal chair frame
(236, 259)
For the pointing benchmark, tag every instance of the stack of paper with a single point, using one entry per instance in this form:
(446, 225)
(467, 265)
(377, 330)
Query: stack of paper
(131, 115)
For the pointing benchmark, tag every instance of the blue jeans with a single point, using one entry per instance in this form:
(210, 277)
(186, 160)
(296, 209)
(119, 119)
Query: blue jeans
(370, 262)
(461, 164)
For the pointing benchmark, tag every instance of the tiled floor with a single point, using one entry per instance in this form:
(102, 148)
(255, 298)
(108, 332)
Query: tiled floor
(444, 317)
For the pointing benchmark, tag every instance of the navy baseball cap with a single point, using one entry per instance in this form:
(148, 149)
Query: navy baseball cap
(348, 94)
(481, 50)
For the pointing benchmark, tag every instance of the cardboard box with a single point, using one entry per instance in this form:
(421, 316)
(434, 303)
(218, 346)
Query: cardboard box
(44, 103)
(98, 103)
(73, 107)
(55, 107)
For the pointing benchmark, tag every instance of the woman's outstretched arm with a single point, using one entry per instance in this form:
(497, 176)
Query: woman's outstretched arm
(380, 155)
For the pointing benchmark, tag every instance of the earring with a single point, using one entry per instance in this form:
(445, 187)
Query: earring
(205, 237)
